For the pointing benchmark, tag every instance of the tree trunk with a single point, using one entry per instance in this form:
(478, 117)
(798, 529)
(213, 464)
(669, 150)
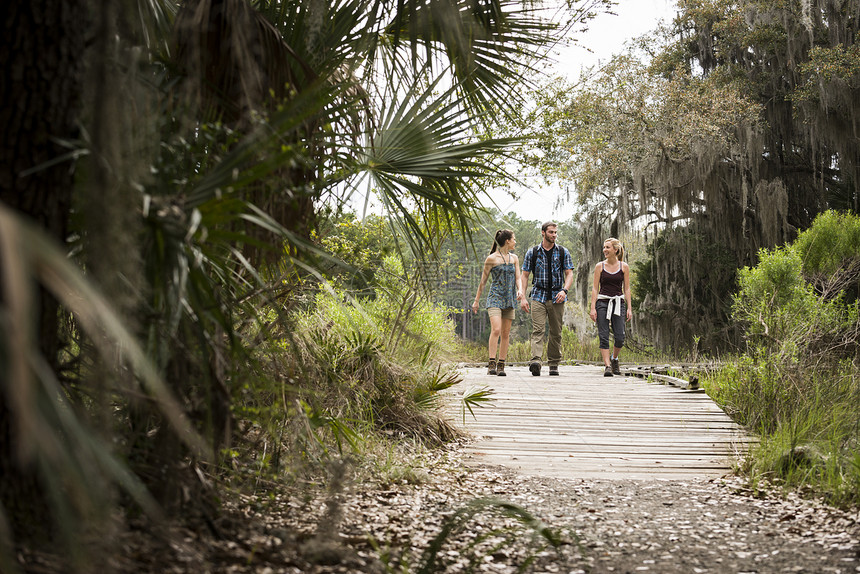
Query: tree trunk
(43, 43)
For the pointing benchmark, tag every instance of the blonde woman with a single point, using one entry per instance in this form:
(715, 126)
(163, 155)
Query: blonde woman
(610, 302)
(504, 292)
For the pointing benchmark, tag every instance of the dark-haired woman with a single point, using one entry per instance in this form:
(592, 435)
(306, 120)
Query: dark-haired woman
(502, 296)
(610, 302)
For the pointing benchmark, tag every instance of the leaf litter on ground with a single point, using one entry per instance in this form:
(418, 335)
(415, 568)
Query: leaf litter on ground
(666, 526)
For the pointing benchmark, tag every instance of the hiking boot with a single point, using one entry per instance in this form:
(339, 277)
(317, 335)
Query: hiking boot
(491, 367)
(500, 368)
(616, 369)
(607, 372)
(553, 370)
(535, 369)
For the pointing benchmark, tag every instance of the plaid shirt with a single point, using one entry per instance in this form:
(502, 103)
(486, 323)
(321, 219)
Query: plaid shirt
(535, 262)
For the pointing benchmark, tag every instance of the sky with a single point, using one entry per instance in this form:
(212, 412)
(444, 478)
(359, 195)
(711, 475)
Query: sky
(606, 36)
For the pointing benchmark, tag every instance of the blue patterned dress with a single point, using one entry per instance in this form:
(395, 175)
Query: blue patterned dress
(503, 290)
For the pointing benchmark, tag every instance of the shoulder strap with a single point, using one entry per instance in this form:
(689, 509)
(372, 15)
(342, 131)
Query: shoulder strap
(534, 251)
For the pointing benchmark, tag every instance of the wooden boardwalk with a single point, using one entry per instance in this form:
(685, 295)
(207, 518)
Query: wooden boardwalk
(584, 425)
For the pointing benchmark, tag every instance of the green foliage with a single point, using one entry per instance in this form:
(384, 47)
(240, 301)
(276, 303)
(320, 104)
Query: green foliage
(409, 317)
(798, 386)
(476, 398)
(774, 301)
(807, 425)
(832, 240)
(360, 245)
(782, 310)
(368, 365)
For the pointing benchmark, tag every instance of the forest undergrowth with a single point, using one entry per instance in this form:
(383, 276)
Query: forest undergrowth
(354, 377)
(797, 385)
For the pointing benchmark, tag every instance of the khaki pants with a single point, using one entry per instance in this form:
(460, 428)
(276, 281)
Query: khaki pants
(541, 312)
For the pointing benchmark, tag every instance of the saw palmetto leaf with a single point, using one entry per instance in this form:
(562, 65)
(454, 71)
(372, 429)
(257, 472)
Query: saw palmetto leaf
(30, 257)
(426, 158)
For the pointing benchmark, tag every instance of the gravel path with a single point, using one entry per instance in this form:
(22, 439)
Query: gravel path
(714, 526)
(663, 526)
(672, 526)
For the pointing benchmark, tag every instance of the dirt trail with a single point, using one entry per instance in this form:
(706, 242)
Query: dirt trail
(663, 526)
(715, 525)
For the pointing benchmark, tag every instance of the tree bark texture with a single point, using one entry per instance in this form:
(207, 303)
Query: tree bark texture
(41, 55)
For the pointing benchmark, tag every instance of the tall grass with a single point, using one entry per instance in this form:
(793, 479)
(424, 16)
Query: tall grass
(807, 421)
(348, 373)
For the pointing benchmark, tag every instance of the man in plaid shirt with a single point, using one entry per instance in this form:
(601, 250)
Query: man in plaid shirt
(553, 276)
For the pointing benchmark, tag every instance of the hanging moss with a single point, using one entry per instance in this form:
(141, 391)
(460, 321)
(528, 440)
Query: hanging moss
(755, 186)
(740, 129)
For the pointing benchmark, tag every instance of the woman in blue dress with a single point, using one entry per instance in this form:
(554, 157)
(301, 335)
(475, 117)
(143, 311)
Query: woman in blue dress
(502, 297)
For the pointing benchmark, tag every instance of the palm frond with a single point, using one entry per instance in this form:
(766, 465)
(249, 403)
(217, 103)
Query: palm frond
(488, 45)
(425, 160)
(427, 397)
(459, 520)
(473, 397)
(28, 255)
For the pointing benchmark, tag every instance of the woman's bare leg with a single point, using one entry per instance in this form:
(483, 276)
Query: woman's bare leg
(495, 332)
(506, 338)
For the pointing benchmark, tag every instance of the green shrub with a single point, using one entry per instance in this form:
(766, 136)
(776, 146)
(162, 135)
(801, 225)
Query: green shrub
(404, 320)
(831, 243)
(798, 385)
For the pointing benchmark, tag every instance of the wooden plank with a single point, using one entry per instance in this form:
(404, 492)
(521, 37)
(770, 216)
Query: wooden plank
(575, 419)
(607, 446)
(692, 383)
(505, 403)
(512, 420)
(595, 446)
(601, 436)
(582, 424)
(618, 463)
